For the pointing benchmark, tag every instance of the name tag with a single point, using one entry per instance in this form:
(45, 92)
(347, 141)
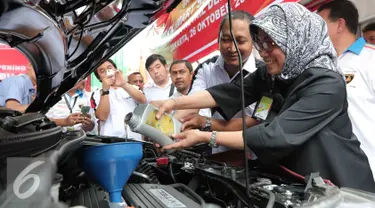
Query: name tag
(263, 107)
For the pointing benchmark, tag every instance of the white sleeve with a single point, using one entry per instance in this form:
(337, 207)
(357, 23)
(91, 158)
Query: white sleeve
(370, 78)
(50, 113)
(199, 82)
(53, 112)
(126, 95)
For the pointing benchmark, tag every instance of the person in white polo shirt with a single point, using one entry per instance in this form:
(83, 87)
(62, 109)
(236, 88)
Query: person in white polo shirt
(162, 88)
(223, 69)
(116, 99)
(68, 111)
(357, 61)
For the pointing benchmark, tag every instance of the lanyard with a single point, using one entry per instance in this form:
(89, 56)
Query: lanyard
(68, 103)
(273, 83)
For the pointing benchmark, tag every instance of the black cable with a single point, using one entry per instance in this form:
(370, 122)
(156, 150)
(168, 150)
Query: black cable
(78, 43)
(171, 172)
(152, 151)
(272, 197)
(82, 26)
(242, 99)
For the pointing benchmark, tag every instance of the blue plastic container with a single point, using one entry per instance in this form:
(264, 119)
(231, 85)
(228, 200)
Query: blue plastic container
(111, 165)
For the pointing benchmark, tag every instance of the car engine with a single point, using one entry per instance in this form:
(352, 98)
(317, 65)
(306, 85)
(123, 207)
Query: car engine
(187, 178)
(51, 173)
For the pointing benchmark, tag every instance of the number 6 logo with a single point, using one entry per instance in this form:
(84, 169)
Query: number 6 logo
(23, 177)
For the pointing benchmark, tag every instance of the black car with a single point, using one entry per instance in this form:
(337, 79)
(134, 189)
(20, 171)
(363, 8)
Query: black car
(40, 165)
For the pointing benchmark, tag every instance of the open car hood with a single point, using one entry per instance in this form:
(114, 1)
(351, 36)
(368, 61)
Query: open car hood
(39, 29)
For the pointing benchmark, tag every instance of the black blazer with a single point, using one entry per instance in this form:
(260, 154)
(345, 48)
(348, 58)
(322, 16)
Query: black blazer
(311, 132)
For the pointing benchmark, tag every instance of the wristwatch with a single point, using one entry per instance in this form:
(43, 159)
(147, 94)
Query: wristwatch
(104, 92)
(207, 125)
(212, 143)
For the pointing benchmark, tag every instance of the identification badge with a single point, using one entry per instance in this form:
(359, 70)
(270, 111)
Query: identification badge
(70, 129)
(263, 108)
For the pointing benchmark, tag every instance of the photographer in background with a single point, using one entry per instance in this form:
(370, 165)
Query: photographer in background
(116, 99)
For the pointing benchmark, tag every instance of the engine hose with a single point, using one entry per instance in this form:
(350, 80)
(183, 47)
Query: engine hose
(271, 200)
(146, 169)
(231, 187)
(171, 172)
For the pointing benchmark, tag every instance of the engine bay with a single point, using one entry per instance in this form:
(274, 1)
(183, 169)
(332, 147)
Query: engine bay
(190, 179)
(186, 178)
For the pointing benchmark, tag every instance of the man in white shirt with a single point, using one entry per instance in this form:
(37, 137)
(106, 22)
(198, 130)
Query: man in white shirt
(68, 111)
(162, 88)
(223, 69)
(116, 99)
(357, 61)
(181, 74)
(136, 79)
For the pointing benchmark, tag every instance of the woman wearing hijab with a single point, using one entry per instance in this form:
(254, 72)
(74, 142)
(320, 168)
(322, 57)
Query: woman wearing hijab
(312, 131)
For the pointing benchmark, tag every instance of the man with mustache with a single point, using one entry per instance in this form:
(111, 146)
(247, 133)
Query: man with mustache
(181, 74)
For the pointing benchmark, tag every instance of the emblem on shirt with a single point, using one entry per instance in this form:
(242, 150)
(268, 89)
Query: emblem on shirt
(349, 78)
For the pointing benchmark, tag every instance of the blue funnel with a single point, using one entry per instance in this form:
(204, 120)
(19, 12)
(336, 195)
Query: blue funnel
(111, 165)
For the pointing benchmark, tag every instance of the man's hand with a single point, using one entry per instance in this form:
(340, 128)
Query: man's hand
(73, 119)
(193, 121)
(119, 80)
(188, 139)
(107, 83)
(165, 106)
(87, 124)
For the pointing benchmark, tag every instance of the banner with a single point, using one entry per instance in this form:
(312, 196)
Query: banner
(12, 62)
(190, 31)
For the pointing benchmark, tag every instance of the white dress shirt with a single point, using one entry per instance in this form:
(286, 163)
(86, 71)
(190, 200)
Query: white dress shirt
(155, 92)
(358, 65)
(212, 73)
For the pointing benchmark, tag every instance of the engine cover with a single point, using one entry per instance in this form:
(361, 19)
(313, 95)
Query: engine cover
(156, 196)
